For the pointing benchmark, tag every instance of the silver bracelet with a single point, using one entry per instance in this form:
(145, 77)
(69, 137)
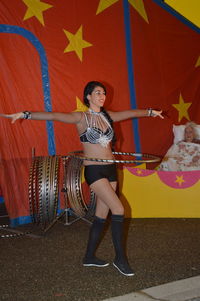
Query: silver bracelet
(27, 115)
(150, 112)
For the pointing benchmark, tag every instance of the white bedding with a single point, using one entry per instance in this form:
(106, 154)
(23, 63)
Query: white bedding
(183, 156)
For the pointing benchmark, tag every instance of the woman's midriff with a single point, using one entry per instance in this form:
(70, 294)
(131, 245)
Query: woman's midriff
(97, 151)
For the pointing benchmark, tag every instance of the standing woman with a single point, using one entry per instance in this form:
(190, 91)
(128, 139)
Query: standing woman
(96, 134)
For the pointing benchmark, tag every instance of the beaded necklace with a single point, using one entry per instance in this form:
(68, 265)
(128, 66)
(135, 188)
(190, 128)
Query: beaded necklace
(98, 129)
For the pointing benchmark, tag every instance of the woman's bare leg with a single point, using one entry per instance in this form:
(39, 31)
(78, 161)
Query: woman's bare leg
(107, 198)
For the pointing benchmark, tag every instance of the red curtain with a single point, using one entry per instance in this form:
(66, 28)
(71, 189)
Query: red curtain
(83, 41)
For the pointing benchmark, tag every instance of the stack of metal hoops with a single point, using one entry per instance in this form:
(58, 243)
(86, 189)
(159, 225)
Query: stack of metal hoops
(44, 185)
(73, 169)
(43, 189)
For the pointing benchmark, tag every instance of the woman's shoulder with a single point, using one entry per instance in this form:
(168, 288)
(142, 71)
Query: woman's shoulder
(78, 116)
(196, 141)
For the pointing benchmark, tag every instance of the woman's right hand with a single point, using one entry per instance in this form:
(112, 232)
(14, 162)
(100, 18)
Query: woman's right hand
(13, 117)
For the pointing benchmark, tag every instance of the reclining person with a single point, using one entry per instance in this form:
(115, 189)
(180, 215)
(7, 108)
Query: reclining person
(190, 133)
(184, 155)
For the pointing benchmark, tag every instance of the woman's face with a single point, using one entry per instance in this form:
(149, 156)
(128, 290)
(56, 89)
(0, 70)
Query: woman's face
(189, 134)
(97, 98)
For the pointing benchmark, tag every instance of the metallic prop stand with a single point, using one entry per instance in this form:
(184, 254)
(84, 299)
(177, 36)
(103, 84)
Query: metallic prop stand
(75, 205)
(44, 187)
(43, 194)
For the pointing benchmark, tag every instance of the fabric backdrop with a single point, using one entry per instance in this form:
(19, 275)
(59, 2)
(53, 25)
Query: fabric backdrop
(145, 54)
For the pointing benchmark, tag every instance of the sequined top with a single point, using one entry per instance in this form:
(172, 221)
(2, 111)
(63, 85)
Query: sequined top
(98, 129)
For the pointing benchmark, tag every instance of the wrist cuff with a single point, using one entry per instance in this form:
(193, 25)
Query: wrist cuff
(150, 112)
(27, 115)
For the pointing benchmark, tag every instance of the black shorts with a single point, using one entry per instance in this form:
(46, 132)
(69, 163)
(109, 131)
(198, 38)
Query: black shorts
(93, 173)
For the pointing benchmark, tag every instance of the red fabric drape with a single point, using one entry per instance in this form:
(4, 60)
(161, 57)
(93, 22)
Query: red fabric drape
(165, 52)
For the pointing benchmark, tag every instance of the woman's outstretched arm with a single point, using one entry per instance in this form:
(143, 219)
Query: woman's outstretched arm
(73, 117)
(123, 115)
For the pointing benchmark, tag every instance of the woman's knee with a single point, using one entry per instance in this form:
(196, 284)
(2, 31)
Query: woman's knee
(119, 210)
(101, 211)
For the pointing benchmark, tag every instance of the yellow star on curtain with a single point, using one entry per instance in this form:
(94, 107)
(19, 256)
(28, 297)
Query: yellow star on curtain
(179, 180)
(139, 6)
(188, 9)
(198, 62)
(103, 4)
(182, 108)
(80, 106)
(76, 42)
(36, 9)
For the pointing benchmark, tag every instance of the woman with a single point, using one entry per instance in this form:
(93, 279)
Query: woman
(190, 134)
(96, 133)
(183, 155)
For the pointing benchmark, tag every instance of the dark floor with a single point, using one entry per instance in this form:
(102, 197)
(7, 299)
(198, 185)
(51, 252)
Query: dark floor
(48, 267)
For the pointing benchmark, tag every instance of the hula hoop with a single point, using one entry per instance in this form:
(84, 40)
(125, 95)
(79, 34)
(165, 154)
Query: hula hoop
(149, 158)
(73, 168)
(73, 164)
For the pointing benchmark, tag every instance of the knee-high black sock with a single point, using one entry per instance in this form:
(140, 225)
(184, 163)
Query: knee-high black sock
(94, 236)
(117, 222)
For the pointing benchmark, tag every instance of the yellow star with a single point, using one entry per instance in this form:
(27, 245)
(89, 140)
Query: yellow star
(35, 9)
(103, 4)
(179, 180)
(182, 108)
(139, 172)
(188, 9)
(139, 6)
(198, 62)
(80, 106)
(76, 42)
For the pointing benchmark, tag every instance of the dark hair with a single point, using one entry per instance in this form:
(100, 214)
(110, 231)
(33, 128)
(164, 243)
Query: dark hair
(106, 114)
(89, 89)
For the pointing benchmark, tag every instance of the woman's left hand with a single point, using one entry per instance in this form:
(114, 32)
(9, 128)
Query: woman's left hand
(13, 117)
(157, 113)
